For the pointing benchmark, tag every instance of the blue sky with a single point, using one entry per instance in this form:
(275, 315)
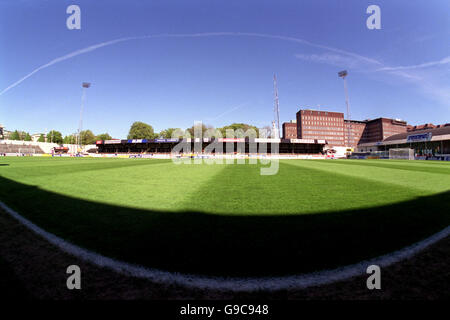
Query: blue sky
(181, 61)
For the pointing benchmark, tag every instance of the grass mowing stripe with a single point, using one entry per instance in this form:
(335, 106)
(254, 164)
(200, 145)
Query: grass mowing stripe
(426, 182)
(153, 184)
(400, 165)
(231, 245)
(241, 190)
(156, 187)
(253, 242)
(72, 166)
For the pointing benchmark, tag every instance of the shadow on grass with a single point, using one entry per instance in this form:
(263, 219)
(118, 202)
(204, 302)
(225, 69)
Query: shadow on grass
(11, 287)
(445, 169)
(194, 242)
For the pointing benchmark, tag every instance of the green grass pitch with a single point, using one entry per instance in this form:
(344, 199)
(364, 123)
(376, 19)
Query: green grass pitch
(227, 219)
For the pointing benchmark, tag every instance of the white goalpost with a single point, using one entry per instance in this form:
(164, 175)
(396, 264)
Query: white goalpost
(401, 153)
(27, 151)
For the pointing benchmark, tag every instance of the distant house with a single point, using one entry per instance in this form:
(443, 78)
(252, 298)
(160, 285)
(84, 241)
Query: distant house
(35, 137)
(4, 134)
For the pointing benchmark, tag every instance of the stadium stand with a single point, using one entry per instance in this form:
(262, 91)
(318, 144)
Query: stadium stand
(428, 144)
(227, 145)
(21, 149)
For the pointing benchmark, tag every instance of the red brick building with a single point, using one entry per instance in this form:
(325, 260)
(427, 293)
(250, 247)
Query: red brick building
(290, 130)
(331, 126)
(356, 132)
(321, 125)
(421, 127)
(381, 128)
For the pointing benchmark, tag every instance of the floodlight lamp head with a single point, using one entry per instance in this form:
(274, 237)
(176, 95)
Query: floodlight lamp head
(86, 85)
(343, 73)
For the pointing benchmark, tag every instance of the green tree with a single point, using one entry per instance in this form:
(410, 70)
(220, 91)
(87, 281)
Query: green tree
(172, 133)
(27, 137)
(71, 139)
(15, 135)
(199, 126)
(239, 130)
(41, 138)
(54, 136)
(103, 136)
(87, 137)
(141, 130)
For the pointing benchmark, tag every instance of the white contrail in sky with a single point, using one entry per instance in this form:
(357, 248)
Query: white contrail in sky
(226, 112)
(60, 59)
(186, 35)
(445, 60)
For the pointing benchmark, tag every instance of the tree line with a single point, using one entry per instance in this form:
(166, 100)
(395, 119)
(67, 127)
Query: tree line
(87, 137)
(141, 130)
(20, 135)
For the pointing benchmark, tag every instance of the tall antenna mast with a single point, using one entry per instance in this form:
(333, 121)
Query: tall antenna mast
(85, 85)
(343, 74)
(276, 108)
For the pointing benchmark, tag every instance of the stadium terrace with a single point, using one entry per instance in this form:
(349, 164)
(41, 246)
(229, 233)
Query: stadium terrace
(214, 146)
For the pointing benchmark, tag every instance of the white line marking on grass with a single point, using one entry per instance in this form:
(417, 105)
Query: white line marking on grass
(233, 284)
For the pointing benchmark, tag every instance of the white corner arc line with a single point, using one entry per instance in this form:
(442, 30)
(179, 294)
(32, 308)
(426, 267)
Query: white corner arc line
(244, 284)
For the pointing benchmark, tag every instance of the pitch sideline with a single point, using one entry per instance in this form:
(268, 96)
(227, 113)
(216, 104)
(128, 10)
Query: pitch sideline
(242, 284)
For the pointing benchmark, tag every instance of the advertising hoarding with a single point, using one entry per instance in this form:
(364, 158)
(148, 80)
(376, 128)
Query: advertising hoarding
(231, 139)
(267, 140)
(419, 137)
(302, 140)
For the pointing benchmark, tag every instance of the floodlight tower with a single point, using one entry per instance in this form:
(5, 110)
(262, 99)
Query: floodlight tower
(274, 131)
(343, 74)
(85, 85)
(276, 108)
